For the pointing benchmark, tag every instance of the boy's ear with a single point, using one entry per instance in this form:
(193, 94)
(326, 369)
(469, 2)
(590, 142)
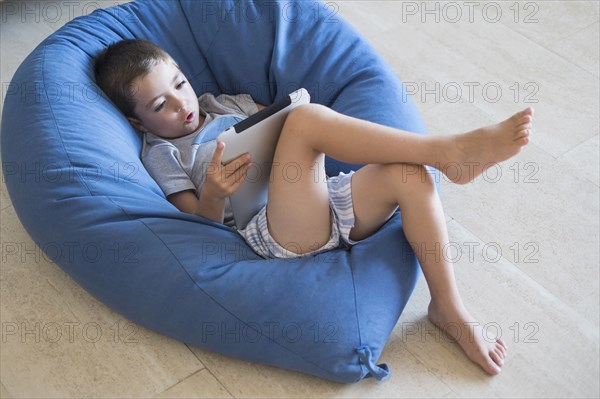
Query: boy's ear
(136, 124)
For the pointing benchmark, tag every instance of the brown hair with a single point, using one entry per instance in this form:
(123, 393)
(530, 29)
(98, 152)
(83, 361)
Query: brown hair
(120, 64)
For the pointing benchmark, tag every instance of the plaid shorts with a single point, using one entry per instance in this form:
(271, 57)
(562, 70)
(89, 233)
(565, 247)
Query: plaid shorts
(258, 237)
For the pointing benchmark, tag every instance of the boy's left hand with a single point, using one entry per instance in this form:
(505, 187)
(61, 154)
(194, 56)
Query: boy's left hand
(224, 180)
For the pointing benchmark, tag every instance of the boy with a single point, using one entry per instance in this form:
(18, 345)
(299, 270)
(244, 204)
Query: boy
(307, 215)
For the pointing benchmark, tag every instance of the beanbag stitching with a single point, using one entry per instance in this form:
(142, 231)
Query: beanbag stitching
(54, 117)
(210, 45)
(190, 26)
(360, 341)
(356, 307)
(115, 20)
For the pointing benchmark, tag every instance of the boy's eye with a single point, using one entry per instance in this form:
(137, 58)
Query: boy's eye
(181, 84)
(159, 107)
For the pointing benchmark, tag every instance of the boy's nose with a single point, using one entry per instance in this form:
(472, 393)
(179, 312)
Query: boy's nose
(179, 105)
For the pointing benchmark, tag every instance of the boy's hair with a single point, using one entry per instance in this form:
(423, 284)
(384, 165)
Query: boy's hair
(120, 64)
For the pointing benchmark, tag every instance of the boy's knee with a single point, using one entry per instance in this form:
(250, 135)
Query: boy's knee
(307, 113)
(310, 110)
(418, 176)
(300, 119)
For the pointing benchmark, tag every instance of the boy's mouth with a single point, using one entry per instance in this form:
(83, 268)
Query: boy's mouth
(190, 117)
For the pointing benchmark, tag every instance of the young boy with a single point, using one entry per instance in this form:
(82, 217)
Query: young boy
(308, 215)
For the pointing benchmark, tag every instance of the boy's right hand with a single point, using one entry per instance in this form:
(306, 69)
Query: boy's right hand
(224, 180)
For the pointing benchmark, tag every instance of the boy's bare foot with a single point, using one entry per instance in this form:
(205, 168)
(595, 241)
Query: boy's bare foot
(473, 152)
(461, 326)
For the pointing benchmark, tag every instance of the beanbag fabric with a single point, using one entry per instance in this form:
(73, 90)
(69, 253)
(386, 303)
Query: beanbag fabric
(72, 166)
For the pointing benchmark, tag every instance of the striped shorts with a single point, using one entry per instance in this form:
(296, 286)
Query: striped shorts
(258, 237)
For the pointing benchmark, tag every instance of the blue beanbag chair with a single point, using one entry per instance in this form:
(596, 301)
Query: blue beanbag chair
(72, 167)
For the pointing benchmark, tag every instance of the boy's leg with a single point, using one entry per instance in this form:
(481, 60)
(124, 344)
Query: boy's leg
(357, 141)
(376, 192)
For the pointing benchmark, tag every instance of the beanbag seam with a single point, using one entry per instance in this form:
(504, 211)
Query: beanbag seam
(356, 308)
(191, 30)
(212, 42)
(66, 153)
(116, 20)
(360, 341)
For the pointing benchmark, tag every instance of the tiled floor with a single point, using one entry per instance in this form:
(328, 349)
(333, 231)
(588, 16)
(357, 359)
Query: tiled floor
(525, 234)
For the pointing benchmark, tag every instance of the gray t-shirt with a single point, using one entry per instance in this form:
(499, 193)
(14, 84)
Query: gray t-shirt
(181, 164)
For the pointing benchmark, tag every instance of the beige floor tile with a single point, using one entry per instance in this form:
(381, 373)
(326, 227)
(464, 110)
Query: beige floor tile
(553, 351)
(244, 379)
(540, 211)
(491, 66)
(581, 48)
(546, 22)
(585, 158)
(58, 341)
(200, 385)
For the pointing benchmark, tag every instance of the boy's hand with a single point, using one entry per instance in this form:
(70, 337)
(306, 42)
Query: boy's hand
(224, 180)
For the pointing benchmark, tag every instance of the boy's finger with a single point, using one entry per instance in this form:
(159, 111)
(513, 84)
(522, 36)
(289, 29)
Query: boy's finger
(240, 177)
(216, 159)
(237, 163)
(234, 171)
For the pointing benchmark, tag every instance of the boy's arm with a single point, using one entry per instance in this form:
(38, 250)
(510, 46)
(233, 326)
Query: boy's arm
(186, 201)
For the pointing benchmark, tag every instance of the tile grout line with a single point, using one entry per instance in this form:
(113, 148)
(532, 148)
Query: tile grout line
(430, 371)
(219, 381)
(210, 371)
(561, 157)
(539, 285)
(554, 52)
(180, 381)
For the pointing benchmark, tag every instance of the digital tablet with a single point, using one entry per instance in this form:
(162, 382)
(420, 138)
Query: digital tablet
(258, 136)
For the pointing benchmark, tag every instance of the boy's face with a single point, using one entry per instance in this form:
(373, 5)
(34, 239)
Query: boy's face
(166, 103)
